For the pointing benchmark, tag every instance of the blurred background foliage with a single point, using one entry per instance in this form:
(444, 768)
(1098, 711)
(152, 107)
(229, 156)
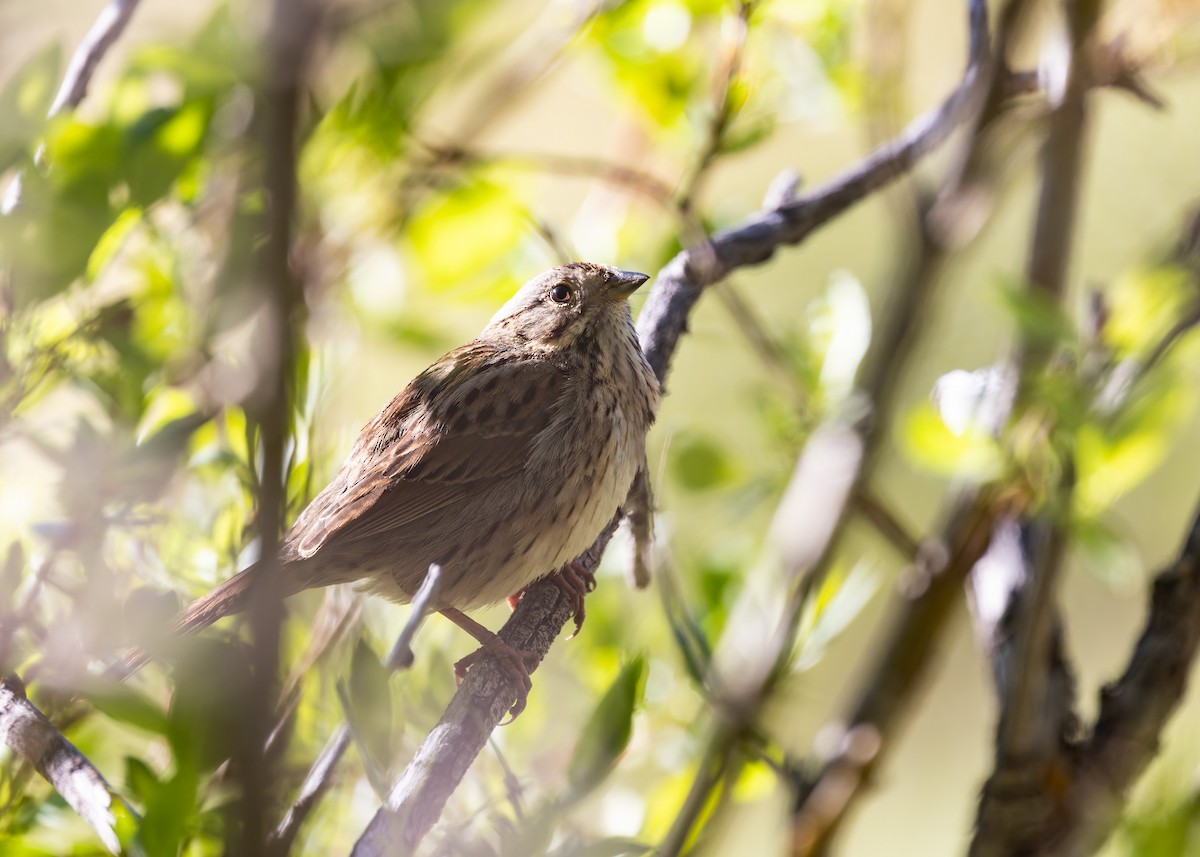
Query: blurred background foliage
(449, 150)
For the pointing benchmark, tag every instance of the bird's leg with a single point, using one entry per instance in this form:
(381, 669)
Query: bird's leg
(576, 581)
(514, 662)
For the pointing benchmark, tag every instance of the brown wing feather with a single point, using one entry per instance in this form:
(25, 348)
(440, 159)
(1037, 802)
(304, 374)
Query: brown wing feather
(451, 431)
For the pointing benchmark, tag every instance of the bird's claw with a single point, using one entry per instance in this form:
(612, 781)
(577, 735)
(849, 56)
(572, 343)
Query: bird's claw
(576, 582)
(513, 662)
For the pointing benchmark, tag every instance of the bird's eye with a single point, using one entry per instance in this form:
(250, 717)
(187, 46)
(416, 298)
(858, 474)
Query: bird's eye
(560, 293)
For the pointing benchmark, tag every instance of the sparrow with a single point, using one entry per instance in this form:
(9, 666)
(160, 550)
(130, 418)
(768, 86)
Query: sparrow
(501, 463)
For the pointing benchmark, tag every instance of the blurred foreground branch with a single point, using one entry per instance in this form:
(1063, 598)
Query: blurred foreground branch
(1017, 810)
(293, 30)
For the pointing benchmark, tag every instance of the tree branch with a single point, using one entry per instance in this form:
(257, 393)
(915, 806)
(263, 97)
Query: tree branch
(485, 696)
(1135, 708)
(292, 31)
(27, 731)
(1017, 809)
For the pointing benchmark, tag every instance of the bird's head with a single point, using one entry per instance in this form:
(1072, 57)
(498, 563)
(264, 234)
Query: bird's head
(556, 307)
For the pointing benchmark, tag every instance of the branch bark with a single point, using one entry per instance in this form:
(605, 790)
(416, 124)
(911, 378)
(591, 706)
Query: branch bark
(1135, 708)
(27, 731)
(1018, 810)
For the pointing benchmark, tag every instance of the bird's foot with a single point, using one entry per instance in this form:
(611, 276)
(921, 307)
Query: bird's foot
(513, 662)
(576, 581)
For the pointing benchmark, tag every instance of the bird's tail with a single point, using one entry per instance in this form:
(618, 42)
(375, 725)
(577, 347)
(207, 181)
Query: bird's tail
(228, 598)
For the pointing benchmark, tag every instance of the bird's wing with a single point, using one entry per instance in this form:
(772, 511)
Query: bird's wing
(470, 419)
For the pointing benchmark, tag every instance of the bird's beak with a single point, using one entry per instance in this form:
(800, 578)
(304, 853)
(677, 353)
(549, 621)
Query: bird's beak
(626, 283)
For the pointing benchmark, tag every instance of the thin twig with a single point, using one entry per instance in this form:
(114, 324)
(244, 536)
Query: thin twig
(320, 776)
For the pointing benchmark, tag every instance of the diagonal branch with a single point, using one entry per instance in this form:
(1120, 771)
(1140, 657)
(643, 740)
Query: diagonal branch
(27, 731)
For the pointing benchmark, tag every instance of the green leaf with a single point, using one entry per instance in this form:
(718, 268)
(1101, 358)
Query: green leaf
(126, 705)
(1040, 319)
(1108, 468)
(370, 701)
(25, 101)
(698, 463)
(207, 716)
(746, 134)
(607, 732)
(460, 235)
(170, 812)
(971, 454)
(141, 782)
(111, 241)
(1106, 553)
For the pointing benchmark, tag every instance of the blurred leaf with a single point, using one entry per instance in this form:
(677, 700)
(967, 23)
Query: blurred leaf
(170, 810)
(370, 702)
(606, 734)
(126, 705)
(24, 102)
(217, 59)
(460, 235)
(112, 240)
(160, 145)
(698, 463)
(1105, 552)
(212, 682)
(1143, 305)
(746, 134)
(1039, 318)
(1169, 830)
(840, 598)
(141, 782)
(840, 328)
(929, 442)
(1107, 468)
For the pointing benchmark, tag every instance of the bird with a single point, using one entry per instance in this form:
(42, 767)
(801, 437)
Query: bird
(501, 463)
